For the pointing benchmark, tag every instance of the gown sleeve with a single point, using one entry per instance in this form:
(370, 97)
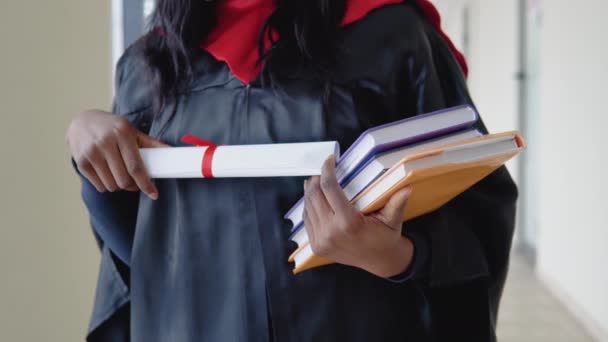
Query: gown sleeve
(113, 214)
(466, 243)
(113, 217)
(470, 236)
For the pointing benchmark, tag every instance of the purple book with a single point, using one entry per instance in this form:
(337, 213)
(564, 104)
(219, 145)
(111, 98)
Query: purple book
(393, 135)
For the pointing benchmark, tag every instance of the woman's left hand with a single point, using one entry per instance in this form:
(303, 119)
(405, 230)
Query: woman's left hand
(338, 231)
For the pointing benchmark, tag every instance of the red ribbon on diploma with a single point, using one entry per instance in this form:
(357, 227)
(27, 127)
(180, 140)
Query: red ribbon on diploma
(207, 156)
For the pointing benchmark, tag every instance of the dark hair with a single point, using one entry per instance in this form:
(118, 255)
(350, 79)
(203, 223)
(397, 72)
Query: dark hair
(305, 28)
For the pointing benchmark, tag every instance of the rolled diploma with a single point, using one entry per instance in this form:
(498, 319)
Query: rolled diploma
(269, 160)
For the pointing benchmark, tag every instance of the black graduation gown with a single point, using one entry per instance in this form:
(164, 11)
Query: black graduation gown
(209, 258)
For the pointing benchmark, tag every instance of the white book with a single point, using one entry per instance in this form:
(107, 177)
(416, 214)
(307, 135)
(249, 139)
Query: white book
(267, 160)
(379, 164)
(483, 149)
(374, 168)
(394, 135)
(469, 152)
(403, 132)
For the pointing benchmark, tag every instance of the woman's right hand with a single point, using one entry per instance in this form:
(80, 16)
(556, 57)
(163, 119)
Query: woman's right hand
(105, 148)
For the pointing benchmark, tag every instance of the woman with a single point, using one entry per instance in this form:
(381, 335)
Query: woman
(209, 257)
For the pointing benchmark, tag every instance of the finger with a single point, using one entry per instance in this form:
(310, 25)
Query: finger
(307, 217)
(331, 189)
(322, 215)
(135, 166)
(392, 213)
(308, 205)
(132, 188)
(86, 169)
(144, 140)
(117, 167)
(309, 226)
(318, 201)
(103, 171)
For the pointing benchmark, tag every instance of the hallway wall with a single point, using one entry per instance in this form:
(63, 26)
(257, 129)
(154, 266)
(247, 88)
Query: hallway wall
(55, 62)
(573, 241)
(491, 51)
(491, 54)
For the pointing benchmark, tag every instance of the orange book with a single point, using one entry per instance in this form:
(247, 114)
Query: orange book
(435, 176)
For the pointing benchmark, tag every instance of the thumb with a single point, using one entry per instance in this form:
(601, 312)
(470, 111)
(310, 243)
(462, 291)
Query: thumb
(392, 213)
(144, 140)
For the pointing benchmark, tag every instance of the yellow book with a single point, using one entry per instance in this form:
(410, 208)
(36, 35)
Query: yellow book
(435, 176)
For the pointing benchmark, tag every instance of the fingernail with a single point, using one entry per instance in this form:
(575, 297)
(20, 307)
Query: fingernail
(153, 195)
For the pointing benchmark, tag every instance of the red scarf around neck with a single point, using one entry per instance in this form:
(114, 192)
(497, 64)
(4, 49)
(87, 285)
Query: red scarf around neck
(234, 39)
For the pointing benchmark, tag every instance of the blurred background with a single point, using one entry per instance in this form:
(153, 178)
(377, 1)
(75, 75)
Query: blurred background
(537, 66)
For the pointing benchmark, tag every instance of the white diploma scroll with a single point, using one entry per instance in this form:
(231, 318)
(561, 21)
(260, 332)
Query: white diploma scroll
(271, 160)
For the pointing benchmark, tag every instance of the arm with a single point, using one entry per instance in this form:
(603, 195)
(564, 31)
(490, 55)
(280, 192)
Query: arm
(470, 238)
(112, 217)
(407, 69)
(104, 147)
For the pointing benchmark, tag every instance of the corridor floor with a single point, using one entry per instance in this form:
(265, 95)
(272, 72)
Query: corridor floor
(529, 313)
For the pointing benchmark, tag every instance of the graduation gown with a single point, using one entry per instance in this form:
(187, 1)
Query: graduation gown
(209, 257)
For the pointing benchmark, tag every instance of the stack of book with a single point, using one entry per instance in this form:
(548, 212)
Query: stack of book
(438, 155)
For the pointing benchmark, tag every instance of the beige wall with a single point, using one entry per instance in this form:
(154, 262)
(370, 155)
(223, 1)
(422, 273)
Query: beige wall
(55, 61)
